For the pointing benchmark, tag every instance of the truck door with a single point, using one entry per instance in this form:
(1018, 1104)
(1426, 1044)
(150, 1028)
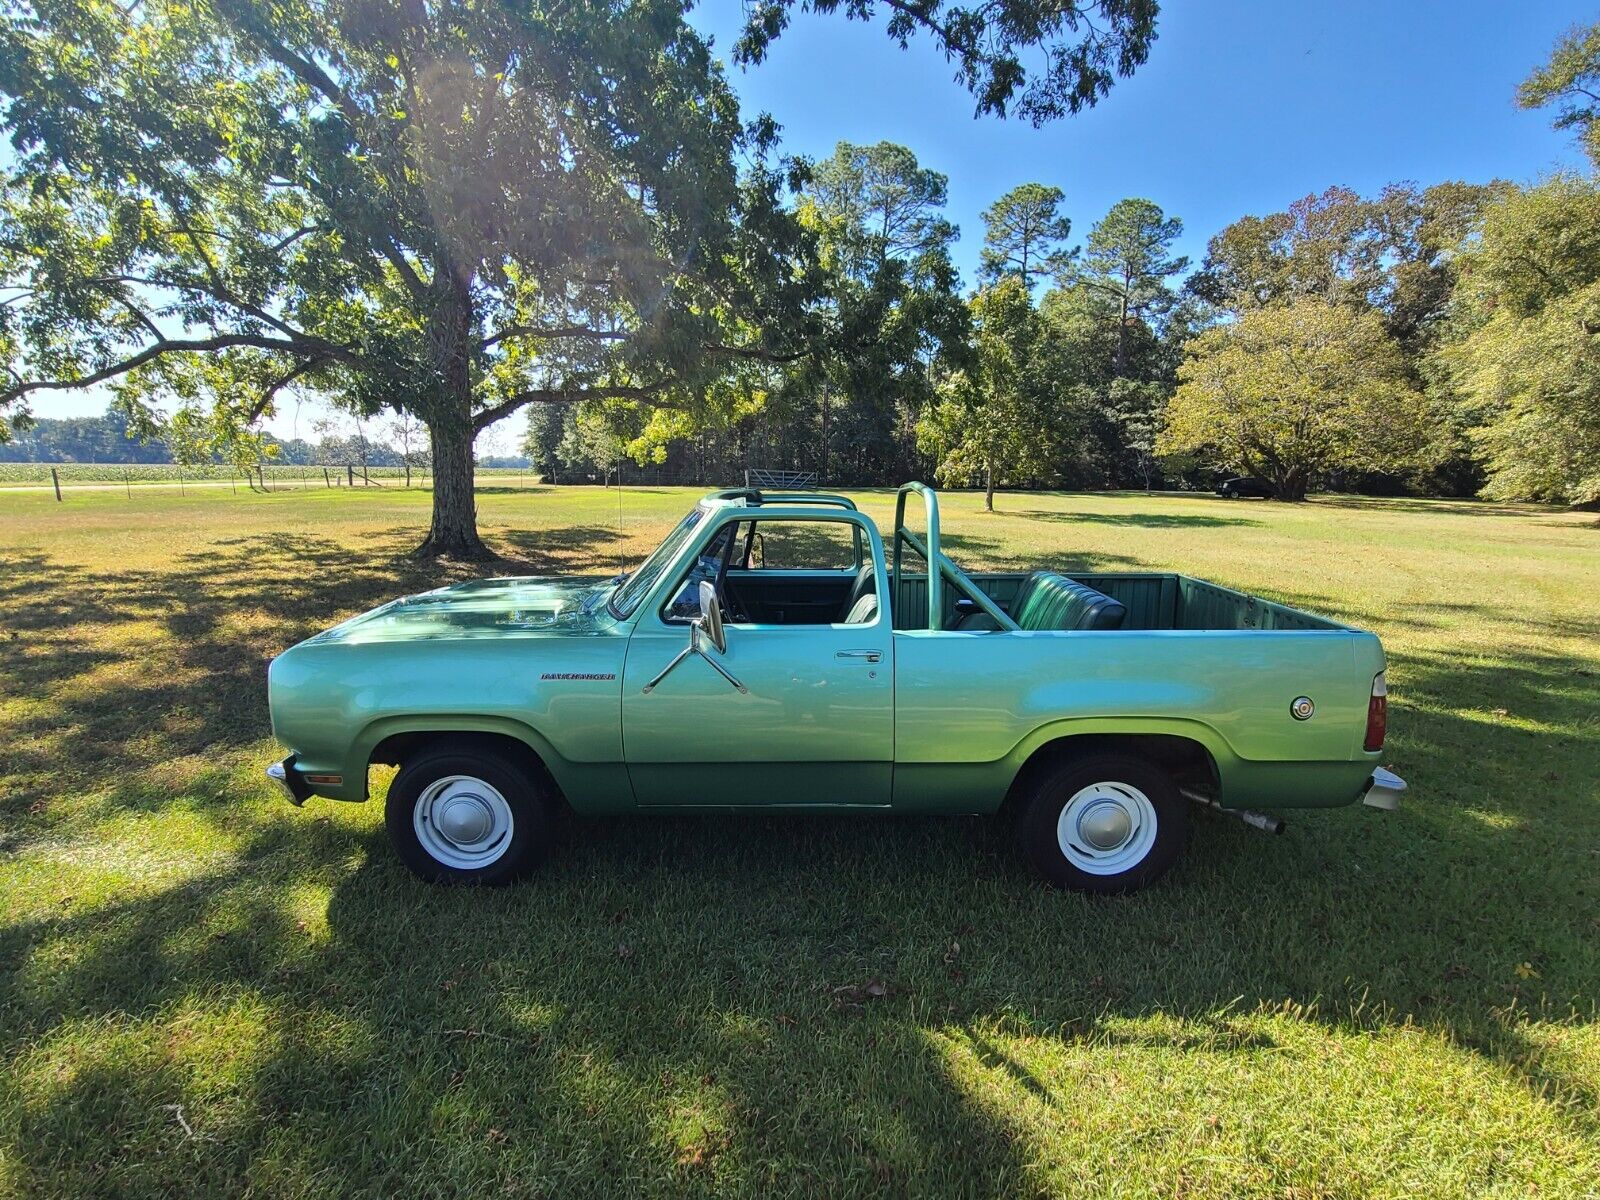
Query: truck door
(814, 723)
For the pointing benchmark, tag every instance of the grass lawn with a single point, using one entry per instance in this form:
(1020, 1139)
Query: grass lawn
(204, 991)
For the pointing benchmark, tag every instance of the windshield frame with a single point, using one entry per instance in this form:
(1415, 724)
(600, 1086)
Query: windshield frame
(627, 597)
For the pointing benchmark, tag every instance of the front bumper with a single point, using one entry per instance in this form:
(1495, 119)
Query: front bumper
(295, 789)
(1383, 790)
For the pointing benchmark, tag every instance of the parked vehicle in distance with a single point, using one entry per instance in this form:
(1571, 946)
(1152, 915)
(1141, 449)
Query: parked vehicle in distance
(775, 652)
(1238, 487)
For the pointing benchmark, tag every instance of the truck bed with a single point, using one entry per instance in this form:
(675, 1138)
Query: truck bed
(1155, 600)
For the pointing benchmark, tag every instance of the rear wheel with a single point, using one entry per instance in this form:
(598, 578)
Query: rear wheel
(463, 814)
(1106, 824)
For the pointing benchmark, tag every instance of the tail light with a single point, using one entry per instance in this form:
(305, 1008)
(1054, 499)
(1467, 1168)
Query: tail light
(1377, 713)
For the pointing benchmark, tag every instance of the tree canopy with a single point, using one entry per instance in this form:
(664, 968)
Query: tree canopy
(1128, 260)
(1570, 79)
(1528, 362)
(442, 210)
(1024, 235)
(1296, 389)
(1086, 45)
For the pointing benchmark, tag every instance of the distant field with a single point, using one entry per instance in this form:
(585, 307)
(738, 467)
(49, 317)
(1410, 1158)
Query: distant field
(206, 992)
(77, 474)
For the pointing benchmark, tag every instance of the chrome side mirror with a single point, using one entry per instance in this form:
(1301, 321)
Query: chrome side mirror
(706, 628)
(709, 621)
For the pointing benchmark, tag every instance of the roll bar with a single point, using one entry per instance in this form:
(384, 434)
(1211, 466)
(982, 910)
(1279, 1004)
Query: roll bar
(939, 567)
(752, 496)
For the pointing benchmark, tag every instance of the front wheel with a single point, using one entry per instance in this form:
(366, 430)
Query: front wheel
(466, 815)
(1104, 824)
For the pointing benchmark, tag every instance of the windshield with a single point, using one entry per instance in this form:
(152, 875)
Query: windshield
(631, 594)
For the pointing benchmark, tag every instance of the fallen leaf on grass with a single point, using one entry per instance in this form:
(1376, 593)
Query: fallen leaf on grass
(1525, 970)
(857, 994)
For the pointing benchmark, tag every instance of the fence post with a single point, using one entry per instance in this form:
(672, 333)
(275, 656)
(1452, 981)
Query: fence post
(56, 479)
(350, 475)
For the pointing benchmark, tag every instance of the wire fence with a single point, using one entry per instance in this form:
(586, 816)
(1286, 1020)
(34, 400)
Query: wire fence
(133, 477)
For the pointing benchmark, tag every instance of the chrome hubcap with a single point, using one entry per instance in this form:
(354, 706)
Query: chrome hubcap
(1106, 828)
(463, 822)
(1105, 825)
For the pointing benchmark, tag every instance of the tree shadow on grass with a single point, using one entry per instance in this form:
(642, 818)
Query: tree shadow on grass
(1139, 520)
(1427, 507)
(690, 1005)
(129, 669)
(975, 552)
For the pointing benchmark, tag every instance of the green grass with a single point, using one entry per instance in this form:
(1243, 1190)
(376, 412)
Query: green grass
(203, 991)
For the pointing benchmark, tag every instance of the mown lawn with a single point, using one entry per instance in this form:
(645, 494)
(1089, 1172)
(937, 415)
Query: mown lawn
(204, 991)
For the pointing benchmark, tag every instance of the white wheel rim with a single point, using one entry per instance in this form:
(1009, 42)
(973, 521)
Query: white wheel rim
(1106, 828)
(463, 822)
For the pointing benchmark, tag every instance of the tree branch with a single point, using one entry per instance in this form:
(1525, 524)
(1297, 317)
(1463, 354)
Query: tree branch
(153, 352)
(755, 353)
(557, 331)
(312, 342)
(566, 396)
(283, 381)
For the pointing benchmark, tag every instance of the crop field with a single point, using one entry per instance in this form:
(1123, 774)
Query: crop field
(284, 476)
(206, 992)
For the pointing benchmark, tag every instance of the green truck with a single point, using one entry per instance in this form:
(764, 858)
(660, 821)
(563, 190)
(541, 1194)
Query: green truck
(777, 653)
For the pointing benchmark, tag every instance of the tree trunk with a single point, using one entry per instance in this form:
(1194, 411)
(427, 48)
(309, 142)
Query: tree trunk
(824, 478)
(988, 486)
(1119, 366)
(454, 531)
(1290, 485)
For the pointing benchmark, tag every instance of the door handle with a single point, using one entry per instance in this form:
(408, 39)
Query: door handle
(869, 655)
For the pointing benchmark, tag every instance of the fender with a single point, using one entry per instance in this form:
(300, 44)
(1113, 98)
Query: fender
(1222, 754)
(590, 787)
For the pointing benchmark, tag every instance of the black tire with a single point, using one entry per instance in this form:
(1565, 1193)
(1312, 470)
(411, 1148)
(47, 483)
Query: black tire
(1043, 808)
(518, 853)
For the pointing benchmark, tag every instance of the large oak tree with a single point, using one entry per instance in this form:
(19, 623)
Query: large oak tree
(442, 209)
(1290, 391)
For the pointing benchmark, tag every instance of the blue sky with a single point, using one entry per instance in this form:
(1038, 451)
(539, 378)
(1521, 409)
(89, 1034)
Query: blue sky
(1244, 106)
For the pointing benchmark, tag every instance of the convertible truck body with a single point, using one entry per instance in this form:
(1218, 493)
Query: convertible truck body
(836, 673)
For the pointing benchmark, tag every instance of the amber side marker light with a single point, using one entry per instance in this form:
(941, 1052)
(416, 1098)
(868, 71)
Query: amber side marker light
(1377, 713)
(335, 780)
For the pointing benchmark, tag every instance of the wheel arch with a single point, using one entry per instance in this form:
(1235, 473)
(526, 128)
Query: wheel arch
(1181, 748)
(392, 741)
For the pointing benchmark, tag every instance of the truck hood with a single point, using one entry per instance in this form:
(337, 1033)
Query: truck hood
(483, 608)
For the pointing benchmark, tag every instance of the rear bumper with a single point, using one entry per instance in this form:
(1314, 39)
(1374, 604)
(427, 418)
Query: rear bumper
(295, 789)
(1383, 790)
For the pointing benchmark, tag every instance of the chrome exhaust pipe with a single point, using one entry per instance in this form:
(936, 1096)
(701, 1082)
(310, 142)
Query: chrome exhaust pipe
(1265, 822)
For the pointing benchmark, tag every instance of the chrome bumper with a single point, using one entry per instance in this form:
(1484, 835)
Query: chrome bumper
(1383, 790)
(294, 789)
